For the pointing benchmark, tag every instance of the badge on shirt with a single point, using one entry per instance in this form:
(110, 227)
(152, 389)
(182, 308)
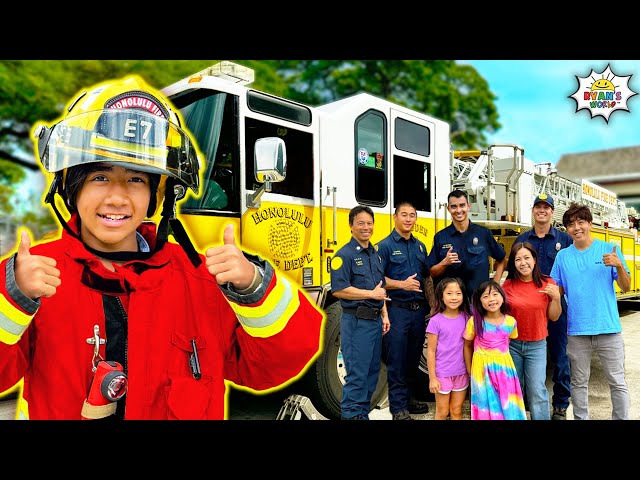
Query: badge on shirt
(475, 240)
(558, 247)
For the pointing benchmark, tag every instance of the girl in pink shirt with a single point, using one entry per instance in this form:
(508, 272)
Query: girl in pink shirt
(448, 377)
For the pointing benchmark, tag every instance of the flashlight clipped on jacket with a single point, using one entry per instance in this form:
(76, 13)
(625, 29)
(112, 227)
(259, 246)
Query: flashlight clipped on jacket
(109, 384)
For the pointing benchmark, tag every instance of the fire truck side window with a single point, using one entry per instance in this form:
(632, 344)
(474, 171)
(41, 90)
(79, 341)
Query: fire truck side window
(412, 138)
(412, 182)
(210, 117)
(371, 159)
(299, 180)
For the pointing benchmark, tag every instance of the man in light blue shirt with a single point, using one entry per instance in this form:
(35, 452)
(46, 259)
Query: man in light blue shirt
(585, 272)
(548, 241)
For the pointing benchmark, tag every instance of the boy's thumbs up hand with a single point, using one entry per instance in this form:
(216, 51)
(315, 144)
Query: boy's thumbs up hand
(227, 263)
(36, 275)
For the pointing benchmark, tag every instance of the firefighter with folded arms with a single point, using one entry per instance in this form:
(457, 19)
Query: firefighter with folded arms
(112, 320)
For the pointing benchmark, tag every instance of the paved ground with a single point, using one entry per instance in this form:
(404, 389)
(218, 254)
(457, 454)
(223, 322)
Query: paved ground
(245, 406)
(7, 410)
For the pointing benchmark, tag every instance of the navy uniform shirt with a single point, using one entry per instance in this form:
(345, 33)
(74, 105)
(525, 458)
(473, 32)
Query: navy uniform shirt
(546, 247)
(474, 247)
(400, 259)
(354, 266)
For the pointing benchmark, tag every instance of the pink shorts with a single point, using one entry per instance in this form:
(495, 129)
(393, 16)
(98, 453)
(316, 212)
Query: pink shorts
(456, 383)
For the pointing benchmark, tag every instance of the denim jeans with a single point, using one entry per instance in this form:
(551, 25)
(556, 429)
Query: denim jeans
(610, 350)
(530, 359)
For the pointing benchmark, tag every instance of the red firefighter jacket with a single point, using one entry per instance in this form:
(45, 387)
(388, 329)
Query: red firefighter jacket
(259, 341)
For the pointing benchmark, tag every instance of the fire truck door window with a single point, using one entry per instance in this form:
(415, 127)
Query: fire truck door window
(411, 137)
(412, 183)
(299, 144)
(371, 159)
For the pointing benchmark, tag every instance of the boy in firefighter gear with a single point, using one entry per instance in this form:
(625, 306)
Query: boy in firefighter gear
(113, 288)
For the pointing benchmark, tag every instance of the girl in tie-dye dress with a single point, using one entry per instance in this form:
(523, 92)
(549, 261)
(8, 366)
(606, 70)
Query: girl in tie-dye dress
(495, 388)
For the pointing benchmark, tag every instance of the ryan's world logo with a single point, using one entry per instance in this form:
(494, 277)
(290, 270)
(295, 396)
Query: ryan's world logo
(603, 93)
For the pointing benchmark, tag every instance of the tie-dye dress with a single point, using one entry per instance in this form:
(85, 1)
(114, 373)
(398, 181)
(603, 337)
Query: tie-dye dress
(495, 389)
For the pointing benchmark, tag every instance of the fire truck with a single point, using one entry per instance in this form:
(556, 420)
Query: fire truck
(287, 174)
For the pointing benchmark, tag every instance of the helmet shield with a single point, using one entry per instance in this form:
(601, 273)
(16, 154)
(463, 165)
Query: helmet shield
(132, 138)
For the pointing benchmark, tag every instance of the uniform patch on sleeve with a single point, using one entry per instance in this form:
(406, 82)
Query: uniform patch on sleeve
(336, 263)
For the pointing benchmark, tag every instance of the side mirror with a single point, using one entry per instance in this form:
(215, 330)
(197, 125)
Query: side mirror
(270, 160)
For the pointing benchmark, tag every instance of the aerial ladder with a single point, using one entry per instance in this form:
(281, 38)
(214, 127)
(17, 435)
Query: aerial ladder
(498, 182)
(501, 184)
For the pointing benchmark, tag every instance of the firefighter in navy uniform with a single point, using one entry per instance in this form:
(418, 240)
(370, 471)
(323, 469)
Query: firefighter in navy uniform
(404, 259)
(462, 249)
(357, 279)
(113, 292)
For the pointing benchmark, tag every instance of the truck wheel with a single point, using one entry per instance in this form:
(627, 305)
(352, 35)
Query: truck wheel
(423, 378)
(325, 377)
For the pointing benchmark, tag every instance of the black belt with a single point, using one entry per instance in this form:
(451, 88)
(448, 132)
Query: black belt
(367, 313)
(408, 305)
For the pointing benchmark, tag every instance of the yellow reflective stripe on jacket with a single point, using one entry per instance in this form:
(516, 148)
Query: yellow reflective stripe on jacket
(273, 315)
(13, 322)
(22, 410)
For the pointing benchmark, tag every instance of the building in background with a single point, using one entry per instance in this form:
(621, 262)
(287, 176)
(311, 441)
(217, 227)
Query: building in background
(616, 169)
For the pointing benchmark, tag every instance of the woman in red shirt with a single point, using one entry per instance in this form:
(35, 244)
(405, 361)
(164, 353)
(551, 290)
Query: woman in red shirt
(533, 298)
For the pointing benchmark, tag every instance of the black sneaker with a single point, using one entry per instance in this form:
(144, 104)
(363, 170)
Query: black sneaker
(417, 407)
(402, 415)
(559, 413)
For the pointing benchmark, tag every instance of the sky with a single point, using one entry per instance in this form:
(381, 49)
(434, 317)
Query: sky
(537, 112)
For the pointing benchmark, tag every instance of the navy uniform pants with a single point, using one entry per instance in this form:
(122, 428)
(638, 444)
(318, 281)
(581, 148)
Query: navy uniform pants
(402, 348)
(557, 344)
(361, 345)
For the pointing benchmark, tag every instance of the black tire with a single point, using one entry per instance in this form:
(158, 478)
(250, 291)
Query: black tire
(422, 388)
(325, 378)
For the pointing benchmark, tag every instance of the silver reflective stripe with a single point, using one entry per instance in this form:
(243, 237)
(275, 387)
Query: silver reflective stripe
(275, 314)
(10, 326)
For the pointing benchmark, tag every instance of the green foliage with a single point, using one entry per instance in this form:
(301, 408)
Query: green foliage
(10, 175)
(5, 200)
(39, 222)
(447, 90)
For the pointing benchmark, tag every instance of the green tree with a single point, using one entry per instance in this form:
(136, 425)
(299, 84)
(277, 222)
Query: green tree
(455, 93)
(10, 174)
(39, 222)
